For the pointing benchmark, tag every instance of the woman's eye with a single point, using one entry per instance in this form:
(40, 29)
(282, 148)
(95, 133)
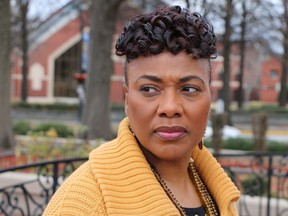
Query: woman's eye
(148, 89)
(190, 89)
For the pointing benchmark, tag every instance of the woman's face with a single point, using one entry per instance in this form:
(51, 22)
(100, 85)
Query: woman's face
(168, 102)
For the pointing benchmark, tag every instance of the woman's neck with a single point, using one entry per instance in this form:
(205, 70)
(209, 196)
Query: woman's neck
(172, 171)
(176, 176)
(178, 180)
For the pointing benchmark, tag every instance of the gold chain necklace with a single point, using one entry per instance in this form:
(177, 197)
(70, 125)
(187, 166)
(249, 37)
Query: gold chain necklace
(168, 191)
(210, 206)
(209, 203)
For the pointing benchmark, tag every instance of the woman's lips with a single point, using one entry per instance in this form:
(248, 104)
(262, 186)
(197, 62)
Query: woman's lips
(170, 133)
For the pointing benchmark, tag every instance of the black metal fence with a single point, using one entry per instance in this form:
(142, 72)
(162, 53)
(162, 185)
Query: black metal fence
(25, 190)
(261, 177)
(263, 180)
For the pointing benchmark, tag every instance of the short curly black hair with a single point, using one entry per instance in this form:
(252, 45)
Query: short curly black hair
(172, 29)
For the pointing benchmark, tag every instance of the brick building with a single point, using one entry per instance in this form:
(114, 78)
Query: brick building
(55, 57)
(270, 79)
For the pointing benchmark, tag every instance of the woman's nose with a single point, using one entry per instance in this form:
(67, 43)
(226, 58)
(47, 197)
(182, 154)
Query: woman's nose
(170, 105)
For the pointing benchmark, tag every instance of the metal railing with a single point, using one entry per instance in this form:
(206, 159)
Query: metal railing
(26, 190)
(261, 177)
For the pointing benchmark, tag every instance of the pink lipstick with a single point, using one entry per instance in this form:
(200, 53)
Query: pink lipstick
(170, 133)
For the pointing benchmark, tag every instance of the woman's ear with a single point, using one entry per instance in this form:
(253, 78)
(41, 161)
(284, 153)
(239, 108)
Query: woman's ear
(125, 89)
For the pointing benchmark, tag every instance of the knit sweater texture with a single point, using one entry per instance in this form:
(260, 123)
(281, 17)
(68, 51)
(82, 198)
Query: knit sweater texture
(117, 180)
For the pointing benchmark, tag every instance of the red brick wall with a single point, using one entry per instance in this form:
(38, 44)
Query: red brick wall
(268, 92)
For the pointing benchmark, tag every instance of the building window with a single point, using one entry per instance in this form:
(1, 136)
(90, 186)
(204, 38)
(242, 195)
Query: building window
(66, 66)
(273, 75)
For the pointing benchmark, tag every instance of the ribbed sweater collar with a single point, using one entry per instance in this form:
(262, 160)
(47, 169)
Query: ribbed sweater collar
(216, 179)
(132, 187)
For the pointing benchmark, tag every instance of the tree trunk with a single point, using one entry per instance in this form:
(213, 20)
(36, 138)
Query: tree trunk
(240, 96)
(259, 128)
(187, 3)
(282, 99)
(226, 55)
(23, 5)
(97, 110)
(218, 122)
(6, 136)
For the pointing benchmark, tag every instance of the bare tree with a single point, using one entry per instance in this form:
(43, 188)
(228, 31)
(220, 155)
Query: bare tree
(187, 2)
(242, 46)
(23, 6)
(6, 135)
(149, 5)
(249, 20)
(201, 6)
(283, 89)
(97, 109)
(226, 55)
(275, 16)
(255, 26)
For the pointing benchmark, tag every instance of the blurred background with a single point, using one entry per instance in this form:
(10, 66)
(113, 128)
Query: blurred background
(62, 67)
(61, 82)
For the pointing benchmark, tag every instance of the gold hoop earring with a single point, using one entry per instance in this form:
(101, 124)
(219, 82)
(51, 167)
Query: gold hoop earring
(200, 144)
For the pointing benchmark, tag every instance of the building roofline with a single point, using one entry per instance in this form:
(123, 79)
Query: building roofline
(56, 21)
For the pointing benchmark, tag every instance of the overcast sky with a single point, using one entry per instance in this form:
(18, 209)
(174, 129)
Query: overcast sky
(43, 8)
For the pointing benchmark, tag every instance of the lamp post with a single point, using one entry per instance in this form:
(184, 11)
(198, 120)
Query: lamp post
(80, 90)
(82, 75)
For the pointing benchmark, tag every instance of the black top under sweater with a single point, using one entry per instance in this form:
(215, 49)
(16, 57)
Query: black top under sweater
(200, 211)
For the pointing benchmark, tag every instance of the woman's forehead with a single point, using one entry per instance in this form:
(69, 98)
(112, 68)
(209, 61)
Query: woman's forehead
(167, 63)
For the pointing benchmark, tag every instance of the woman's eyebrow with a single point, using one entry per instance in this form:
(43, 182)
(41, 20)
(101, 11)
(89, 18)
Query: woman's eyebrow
(188, 78)
(159, 80)
(150, 77)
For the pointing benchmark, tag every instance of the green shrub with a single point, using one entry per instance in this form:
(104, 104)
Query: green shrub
(246, 144)
(276, 146)
(118, 107)
(207, 143)
(254, 185)
(55, 106)
(268, 108)
(21, 127)
(239, 144)
(47, 148)
(61, 129)
(60, 106)
(234, 143)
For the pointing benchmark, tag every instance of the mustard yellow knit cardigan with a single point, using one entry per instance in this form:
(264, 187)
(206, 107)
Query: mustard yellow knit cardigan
(117, 180)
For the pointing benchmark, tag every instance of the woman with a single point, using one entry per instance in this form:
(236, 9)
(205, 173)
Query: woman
(157, 164)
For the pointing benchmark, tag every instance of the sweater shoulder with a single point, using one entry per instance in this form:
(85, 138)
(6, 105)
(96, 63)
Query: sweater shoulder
(78, 195)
